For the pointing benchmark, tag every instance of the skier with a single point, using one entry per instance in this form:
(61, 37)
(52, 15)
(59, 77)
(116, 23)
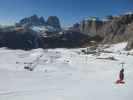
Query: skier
(121, 75)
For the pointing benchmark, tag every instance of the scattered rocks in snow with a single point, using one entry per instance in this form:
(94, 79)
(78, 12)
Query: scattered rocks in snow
(105, 51)
(28, 68)
(109, 58)
(88, 52)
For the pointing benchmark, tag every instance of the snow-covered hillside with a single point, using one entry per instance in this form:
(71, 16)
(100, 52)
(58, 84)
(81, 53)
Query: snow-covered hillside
(65, 74)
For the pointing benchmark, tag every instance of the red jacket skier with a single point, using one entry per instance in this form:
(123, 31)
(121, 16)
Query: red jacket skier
(121, 76)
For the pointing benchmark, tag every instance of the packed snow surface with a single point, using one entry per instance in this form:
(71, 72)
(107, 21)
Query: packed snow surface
(65, 74)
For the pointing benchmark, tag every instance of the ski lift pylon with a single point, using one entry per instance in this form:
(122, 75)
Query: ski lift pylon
(122, 63)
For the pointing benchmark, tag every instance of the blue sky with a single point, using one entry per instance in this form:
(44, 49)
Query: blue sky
(69, 11)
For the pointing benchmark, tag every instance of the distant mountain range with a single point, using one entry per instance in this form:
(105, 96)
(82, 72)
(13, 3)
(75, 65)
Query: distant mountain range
(36, 32)
(112, 29)
(34, 20)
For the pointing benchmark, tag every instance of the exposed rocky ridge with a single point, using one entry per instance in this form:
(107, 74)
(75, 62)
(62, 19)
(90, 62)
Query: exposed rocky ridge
(75, 27)
(53, 21)
(117, 30)
(113, 29)
(129, 31)
(90, 26)
(34, 20)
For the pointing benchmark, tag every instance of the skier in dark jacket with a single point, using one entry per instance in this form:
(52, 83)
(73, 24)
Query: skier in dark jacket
(121, 75)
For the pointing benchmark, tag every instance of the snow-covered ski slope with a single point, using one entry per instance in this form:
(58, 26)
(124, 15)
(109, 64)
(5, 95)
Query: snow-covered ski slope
(65, 74)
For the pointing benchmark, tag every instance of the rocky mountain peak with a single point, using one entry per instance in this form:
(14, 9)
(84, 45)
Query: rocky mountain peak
(53, 21)
(33, 20)
(112, 29)
(90, 25)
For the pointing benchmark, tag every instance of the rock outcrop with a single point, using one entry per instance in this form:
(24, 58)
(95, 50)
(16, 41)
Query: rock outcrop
(112, 29)
(54, 22)
(75, 27)
(109, 27)
(117, 29)
(31, 21)
(129, 31)
(91, 26)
